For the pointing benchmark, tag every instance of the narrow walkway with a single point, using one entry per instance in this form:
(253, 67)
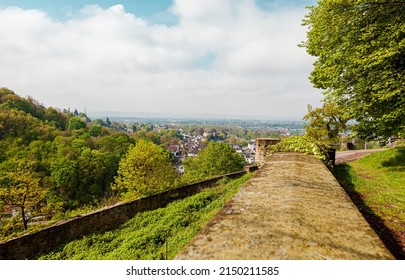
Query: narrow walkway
(352, 155)
(293, 208)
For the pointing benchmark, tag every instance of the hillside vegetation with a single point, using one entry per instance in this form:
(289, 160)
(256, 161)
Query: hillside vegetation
(52, 161)
(376, 183)
(57, 163)
(158, 234)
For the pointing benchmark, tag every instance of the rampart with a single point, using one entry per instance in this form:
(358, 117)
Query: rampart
(30, 246)
(293, 208)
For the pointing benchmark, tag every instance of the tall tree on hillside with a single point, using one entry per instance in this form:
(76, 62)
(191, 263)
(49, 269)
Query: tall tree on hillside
(146, 170)
(360, 50)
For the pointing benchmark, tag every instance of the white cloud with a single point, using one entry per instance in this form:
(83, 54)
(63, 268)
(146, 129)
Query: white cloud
(223, 57)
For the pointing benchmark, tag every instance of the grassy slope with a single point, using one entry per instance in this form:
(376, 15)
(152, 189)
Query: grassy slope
(145, 236)
(376, 183)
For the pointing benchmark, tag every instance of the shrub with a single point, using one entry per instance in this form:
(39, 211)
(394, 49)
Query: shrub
(300, 144)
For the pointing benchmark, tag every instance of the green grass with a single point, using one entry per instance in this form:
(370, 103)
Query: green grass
(376, 183)
(158, 234)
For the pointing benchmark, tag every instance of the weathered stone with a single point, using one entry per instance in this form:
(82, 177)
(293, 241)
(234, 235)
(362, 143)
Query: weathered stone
(262, 145)
(293, 208)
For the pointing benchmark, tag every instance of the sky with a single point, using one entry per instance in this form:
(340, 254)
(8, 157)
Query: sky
(169, 57)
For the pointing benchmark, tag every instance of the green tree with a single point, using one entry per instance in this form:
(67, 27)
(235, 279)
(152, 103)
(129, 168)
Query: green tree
(105, 166)
(21, 187)
(325, 123)
(95, 130)
(108, 122)
(76, 123)
(56, 118)
(117, 143)
(64, 173)
(216, 159)
(360, 50)
(146, 170)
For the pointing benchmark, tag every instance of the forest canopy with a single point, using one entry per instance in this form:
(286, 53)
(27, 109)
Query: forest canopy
(50, 160)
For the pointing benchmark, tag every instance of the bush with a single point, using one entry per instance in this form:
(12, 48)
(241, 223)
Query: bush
(300, 144)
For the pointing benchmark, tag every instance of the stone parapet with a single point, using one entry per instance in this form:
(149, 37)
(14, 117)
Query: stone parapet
(292, 209)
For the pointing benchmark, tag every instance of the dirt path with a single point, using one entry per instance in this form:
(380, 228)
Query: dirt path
(347, 156)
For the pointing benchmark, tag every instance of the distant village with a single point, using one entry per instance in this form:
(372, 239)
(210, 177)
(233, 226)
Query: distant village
(190, 144)
(240, 134)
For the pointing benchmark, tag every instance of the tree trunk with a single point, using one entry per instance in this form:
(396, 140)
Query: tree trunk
(23, 218)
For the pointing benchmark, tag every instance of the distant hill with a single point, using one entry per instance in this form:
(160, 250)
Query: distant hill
(27, 118)
(180, 116)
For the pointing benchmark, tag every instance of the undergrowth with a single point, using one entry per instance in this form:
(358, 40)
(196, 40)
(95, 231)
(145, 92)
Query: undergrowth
(300, 144)
(157, 234)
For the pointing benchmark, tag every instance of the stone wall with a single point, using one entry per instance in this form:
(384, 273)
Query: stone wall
(292, 209)
(32, 245)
